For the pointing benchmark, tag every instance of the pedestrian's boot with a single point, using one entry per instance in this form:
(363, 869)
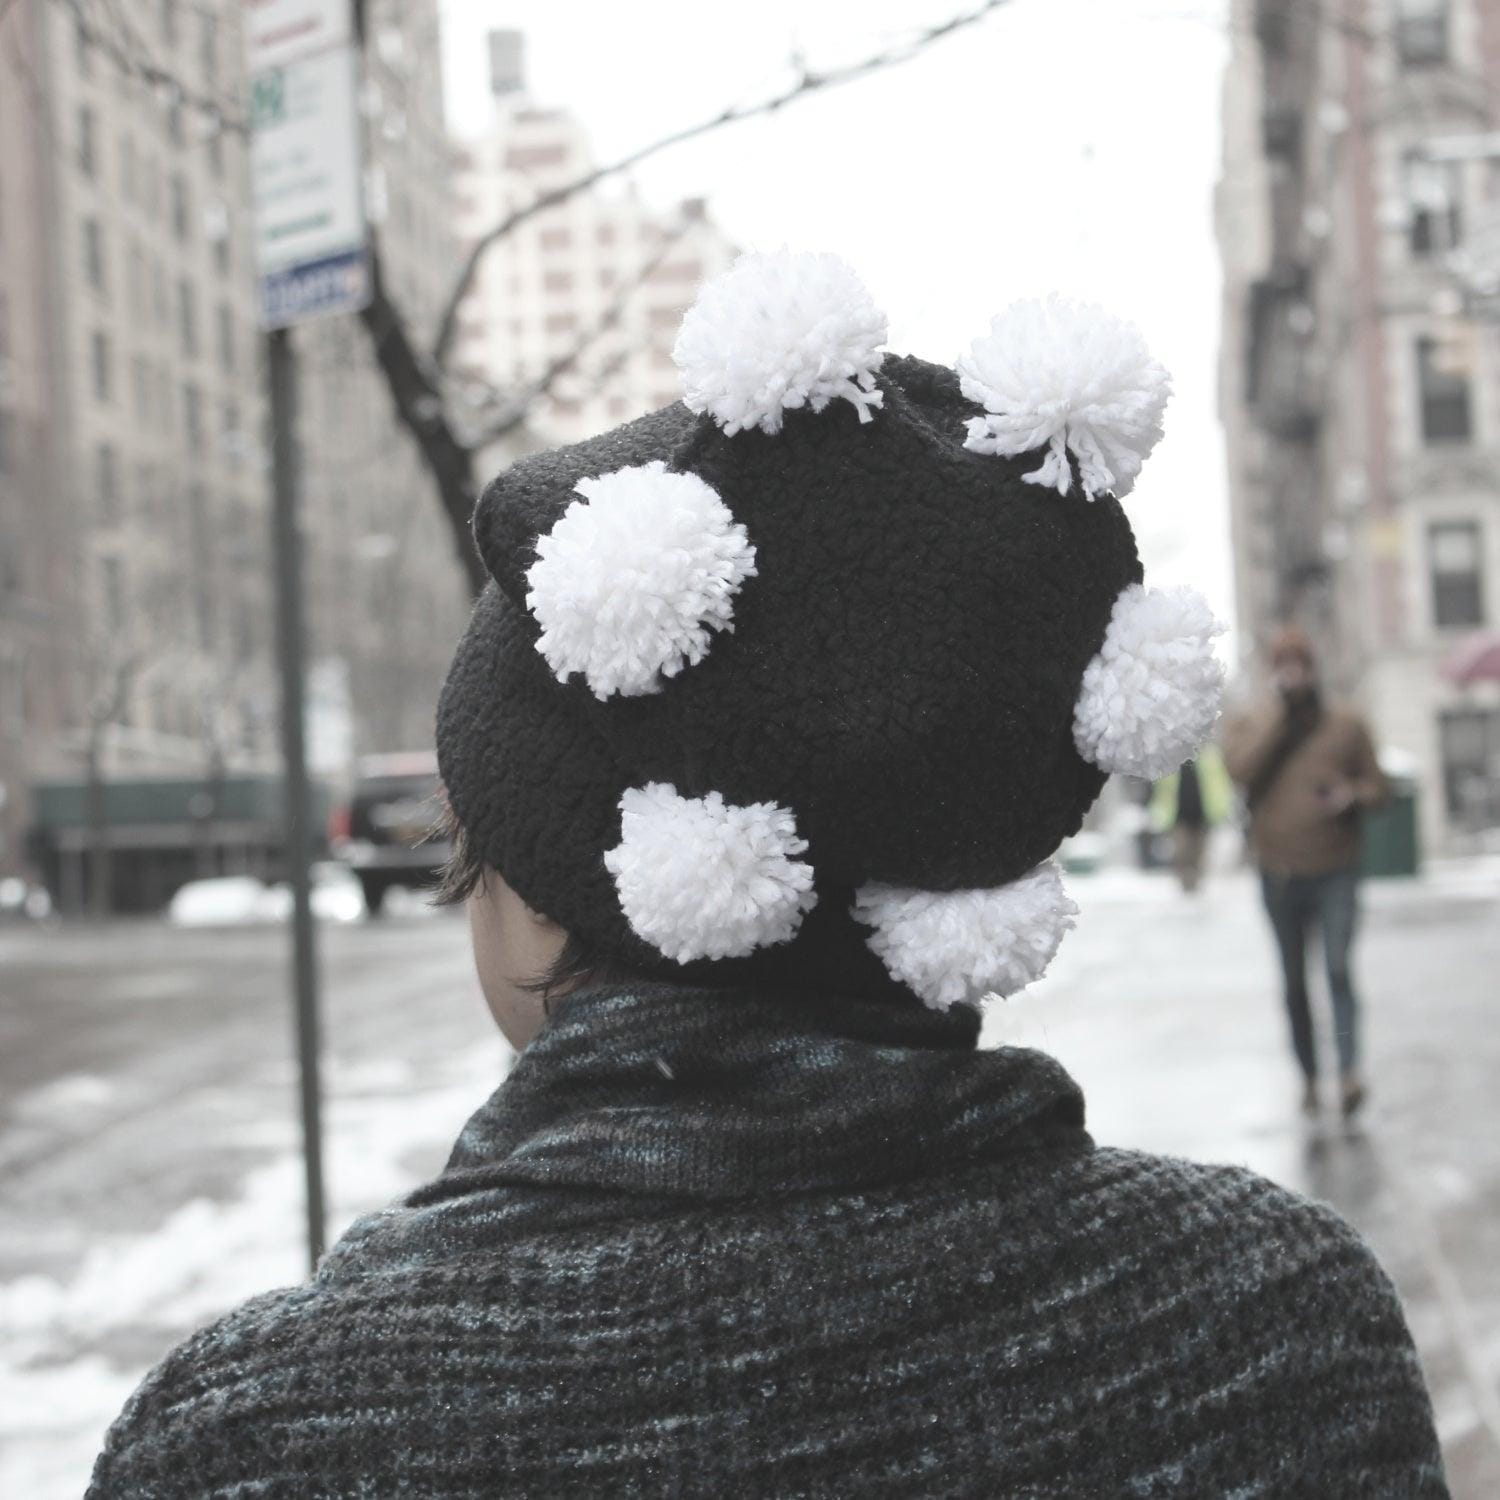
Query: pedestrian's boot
(1310, 1101)
(1351, 1094)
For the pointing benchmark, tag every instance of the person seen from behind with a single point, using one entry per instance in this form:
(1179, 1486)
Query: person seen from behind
(759, 744)
(1190, 804)
(1308, 773)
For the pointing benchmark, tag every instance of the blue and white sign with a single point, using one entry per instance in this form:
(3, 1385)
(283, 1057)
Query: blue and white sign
(311, 242)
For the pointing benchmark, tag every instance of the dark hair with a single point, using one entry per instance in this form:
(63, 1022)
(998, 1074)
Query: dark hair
(576, 964)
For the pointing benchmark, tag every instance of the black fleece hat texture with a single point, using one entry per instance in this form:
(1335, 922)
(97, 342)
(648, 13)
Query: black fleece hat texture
(900, 673)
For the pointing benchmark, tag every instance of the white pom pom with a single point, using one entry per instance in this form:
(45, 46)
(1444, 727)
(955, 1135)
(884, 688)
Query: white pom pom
(955, 947)
(775, 332)
(701, 878)
(1151, 695)
(1067, 375)
(631, 580)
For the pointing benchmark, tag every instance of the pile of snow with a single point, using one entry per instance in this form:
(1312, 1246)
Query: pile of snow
(242, 900)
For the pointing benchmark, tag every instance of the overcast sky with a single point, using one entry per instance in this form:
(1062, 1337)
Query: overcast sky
(1067, 145)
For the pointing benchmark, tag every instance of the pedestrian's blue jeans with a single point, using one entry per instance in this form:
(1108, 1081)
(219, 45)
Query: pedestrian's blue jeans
(1294, 903)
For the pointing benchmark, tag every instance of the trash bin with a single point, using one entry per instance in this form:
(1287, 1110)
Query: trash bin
(1390, 833)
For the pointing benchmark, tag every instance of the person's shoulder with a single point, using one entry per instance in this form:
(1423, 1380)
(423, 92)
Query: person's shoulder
(1274, 1254)
(186, 1410)
(1262, 1216)
(1279, 1300)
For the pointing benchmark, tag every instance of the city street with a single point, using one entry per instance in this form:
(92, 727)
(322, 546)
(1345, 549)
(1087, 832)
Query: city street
(148, 1131)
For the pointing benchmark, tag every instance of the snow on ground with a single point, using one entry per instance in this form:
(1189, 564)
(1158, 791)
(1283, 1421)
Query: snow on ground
(57, 1397)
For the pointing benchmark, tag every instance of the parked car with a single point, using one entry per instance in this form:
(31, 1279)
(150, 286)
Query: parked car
(390, 833)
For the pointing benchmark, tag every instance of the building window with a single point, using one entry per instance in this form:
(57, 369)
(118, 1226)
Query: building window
(1421, 32)
(221, 254)
(135, 276)
(99, 364)
(1470, 747)
(140, 389)
(87, 145)
(530, 158)
(1434, 192)
(1455, 555)
(83, 49)
(232, 439)
(93, 254)
(555, 239)
(187, 319)
(145, 490)
(179, 194)
(114, 593)
(557, 281)
(107, 483)
(159, 294)
(174, 121)
(1444, 391)
(226, 338)
(558, 323)
(208, 47)
(169, 22)
(192, 417)
(127, 168)
(150, 187)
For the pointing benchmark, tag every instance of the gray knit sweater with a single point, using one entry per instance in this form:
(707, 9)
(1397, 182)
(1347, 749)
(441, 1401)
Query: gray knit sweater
(731, 1244)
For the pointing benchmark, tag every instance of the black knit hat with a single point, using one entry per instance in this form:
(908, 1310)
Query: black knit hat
(807, 676)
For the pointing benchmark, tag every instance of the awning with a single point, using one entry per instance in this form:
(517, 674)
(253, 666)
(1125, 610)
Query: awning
(1476, 659)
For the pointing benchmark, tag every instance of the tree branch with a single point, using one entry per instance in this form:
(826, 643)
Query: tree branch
(420, 406)
(516, 410)
(807, 83)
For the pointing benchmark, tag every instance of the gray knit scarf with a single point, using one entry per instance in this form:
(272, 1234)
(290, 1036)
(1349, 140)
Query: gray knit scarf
(731, 1244)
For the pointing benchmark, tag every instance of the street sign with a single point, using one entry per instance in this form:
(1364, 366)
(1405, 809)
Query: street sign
(311, 243)
(283, 31)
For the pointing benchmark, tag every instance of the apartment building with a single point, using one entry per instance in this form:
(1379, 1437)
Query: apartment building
(37, 545)
(585, 297)
(136, 621)
(1360, 375)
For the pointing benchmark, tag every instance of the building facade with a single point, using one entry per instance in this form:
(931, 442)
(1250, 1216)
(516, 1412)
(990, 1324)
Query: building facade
(136, 618)
(584, 298)
(1360, 376)
(37, 545)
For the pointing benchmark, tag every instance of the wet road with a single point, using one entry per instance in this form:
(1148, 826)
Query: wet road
(148, 1127)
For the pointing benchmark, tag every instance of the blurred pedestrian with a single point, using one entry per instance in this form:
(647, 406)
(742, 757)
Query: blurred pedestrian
(1189, 804)
(757, 746)
(1308, 771)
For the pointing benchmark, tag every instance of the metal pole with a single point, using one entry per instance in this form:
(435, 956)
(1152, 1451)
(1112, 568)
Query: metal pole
(287, 552)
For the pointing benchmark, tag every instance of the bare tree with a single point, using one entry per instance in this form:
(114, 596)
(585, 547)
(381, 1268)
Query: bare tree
(421, 381)
(432, 401)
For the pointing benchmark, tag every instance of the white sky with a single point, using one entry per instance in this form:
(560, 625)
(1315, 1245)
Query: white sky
(1059, 145)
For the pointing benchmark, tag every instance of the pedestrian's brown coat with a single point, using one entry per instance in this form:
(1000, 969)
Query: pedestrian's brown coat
(1293, 830)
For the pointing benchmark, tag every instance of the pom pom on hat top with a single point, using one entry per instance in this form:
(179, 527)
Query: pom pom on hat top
(646, 572)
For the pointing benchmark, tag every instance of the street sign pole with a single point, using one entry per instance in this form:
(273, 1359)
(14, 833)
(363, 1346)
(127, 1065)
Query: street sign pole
(312, 251)
(290, 637)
